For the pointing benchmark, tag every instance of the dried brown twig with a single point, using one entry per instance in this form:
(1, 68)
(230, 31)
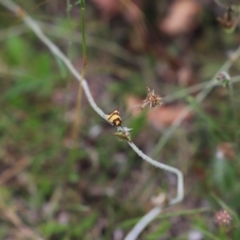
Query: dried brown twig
(12, 216)
(14, 170)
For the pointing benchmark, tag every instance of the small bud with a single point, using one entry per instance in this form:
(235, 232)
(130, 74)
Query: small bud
(124, 134)
(223, 78)
(222, 218)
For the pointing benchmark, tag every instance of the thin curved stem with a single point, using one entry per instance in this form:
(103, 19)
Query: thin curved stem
(180, 187)
(138, 228)
(54, 49)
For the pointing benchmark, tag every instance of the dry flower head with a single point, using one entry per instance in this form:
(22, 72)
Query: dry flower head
(152, 99)
(222, 218)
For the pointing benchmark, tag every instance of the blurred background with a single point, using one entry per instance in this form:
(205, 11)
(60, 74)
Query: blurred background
(101, 188)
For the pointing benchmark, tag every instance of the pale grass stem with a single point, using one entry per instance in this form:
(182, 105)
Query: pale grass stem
(77, 117)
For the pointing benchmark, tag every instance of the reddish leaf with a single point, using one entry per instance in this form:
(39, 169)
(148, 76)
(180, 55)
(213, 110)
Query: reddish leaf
(166, 115)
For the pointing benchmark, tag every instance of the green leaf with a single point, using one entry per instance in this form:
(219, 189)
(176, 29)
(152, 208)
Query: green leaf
(161, 231)
(17, 51)
(51, 227)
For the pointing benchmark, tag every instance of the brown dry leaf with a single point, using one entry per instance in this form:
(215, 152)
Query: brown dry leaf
(182, 17)
(186, 76)
(108, 8)
(133, 105)
(133, 11)
(159, 117)
(166, 115)
(130, 9)
(135, 16)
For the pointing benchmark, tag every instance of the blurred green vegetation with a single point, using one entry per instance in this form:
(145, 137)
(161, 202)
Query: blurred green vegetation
(101, 187)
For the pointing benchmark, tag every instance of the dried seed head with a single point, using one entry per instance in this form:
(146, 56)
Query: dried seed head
(152, 99)
(222, 218)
